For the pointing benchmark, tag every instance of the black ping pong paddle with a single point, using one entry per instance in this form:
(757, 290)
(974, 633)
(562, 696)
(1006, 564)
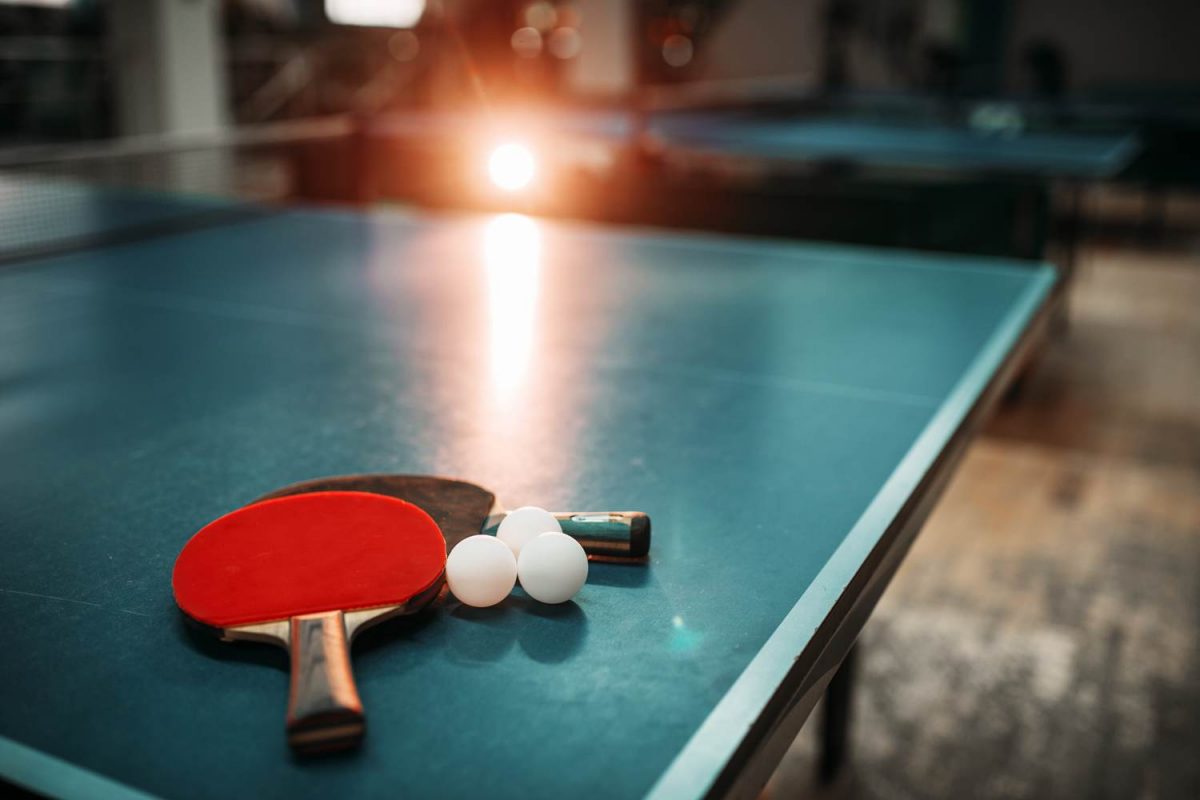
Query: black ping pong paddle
(463, 509)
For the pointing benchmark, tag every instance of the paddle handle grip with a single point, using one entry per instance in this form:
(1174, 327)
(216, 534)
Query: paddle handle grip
(324, 712)
(612, 534)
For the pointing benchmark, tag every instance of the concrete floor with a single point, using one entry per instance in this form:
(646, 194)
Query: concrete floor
(1042, 640)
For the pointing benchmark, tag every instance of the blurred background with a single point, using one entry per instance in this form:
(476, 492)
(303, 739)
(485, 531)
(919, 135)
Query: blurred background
(1075, 113)
(1044, 642)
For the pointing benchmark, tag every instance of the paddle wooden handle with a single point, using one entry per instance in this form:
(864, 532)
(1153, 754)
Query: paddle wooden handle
(324, 712)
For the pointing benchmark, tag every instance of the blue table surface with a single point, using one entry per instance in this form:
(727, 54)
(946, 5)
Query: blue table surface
(770, 405)
(805, 138)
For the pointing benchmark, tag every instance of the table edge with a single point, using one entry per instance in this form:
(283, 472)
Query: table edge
(31, 769)
(736, 749)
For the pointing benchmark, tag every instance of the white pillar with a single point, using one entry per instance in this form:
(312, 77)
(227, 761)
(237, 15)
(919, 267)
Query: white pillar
(605, 64)
(168, 59)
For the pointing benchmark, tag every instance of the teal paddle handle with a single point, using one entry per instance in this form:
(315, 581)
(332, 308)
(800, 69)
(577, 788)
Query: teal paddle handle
(610, 534)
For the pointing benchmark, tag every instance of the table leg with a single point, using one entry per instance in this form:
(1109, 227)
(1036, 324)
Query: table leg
(1154, 214)
(835, 718)
(1073, 236)
(1074, 227)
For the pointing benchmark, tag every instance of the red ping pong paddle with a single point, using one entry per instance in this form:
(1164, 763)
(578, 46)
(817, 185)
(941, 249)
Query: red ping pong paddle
(308, 573)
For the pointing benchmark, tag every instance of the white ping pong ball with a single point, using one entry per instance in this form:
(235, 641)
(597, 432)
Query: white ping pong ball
(553, 568)
(523, 525)
(481, 571)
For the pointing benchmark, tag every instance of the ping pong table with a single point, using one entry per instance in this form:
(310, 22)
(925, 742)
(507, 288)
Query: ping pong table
(915, 140)
(1028, 164)
(787, 414)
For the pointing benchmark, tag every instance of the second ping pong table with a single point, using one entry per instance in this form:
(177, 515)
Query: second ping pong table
(786, 413)
(871, 143)
(886, 180)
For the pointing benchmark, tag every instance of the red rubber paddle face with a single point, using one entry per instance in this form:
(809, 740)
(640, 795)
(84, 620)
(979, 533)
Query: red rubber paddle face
(306, 554)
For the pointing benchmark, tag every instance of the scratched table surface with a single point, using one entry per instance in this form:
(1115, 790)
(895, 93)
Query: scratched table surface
(771, 405)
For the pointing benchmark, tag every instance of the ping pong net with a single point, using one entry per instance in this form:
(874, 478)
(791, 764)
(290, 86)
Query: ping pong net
(61, 198)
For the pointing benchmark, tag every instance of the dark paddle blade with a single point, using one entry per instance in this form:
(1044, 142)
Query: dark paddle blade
(460, 509)
(463, 509)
